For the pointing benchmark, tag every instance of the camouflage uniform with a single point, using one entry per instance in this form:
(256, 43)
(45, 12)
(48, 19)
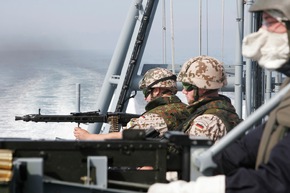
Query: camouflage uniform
(162, 113)
(211, 117)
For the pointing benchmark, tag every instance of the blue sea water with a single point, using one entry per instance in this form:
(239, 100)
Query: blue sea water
(46, 80)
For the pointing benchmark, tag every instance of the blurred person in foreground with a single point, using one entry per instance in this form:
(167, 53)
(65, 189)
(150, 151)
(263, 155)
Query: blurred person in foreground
(259, 162)
(164, 110)
(211, 114)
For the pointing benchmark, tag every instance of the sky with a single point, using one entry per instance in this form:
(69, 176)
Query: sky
(96, 25)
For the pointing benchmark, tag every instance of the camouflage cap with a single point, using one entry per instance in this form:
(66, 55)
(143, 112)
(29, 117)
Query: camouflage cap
(159, 77)
(204, 72)
(264, 5)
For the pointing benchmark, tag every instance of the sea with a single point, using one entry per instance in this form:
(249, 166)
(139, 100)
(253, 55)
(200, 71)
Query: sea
(46, 81)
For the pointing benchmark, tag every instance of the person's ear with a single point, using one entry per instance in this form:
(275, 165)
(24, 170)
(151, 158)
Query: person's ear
(156, 91)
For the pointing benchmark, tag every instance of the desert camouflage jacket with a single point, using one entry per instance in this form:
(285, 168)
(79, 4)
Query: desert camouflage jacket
(163, 114)
(212, 117)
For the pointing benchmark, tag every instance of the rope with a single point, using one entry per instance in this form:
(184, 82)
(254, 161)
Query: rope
(200, 21)
(206, 27)
(172, 37)
(164, 32)
(223, 32)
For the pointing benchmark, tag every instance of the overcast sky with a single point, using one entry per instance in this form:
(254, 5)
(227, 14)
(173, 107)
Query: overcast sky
(96, 24)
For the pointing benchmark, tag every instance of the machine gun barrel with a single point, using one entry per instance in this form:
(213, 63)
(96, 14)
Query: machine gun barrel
(86, 117)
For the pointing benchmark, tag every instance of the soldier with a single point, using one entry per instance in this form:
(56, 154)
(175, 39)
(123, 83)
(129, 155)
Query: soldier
(212, 114)
(164, 111)
(259, 162)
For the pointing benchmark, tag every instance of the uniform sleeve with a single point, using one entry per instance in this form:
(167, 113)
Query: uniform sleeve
(241, 153)
(238, 160)
(274, 176)
(209, 126)
(271, 177)
(146, 121)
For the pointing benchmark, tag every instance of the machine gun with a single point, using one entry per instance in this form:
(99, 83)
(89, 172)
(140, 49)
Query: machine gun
(113, 118)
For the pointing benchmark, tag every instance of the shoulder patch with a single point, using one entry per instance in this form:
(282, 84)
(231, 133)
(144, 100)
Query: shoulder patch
(199, 127)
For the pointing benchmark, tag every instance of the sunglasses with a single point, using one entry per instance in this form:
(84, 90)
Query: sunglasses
(146, 92)
(188, 87)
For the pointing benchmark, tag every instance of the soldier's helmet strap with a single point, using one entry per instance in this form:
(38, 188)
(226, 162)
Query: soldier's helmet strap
(173, 77)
